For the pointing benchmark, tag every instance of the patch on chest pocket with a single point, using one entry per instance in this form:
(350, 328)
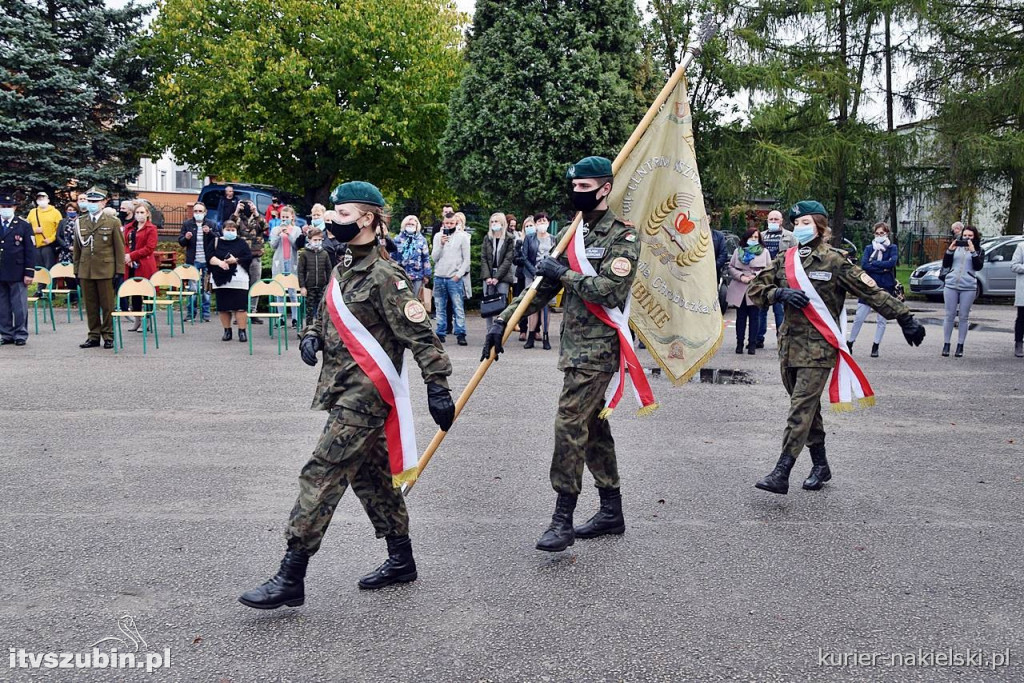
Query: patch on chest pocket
(622, 267)
(415, 312)
(595, 252)
(821, 275)
(868, 280)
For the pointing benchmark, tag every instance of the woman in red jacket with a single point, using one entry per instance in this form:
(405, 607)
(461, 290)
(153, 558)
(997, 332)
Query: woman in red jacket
(139, 247)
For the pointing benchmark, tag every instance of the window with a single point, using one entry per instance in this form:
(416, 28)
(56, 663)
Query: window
(187, 180)
(1005, 250)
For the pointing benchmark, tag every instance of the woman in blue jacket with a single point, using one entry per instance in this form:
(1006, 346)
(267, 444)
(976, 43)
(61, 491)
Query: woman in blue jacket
(879, 261)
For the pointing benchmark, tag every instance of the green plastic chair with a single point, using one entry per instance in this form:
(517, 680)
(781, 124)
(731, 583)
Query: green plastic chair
(43, 279)
(278, 319)
(168, 281)
(66, 271)
(137, 286)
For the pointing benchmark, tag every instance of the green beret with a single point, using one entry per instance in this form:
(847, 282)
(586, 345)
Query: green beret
(590, 167)
(357, 192)
(95, 194)
(807, 208)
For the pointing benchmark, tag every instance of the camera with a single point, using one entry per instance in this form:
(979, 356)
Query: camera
(961, 242)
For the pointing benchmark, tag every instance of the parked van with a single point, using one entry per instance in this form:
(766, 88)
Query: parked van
(261, 195)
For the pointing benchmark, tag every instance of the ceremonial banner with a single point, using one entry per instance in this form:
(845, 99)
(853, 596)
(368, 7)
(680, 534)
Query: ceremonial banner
(675, 307)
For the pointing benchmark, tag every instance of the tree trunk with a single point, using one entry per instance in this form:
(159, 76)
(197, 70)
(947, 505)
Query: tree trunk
(890, 140)
(320, 195)
(1015, 220)
(839, 214)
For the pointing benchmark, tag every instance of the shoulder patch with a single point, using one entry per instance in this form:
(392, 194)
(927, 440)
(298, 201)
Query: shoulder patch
(414, 311)
(622, 267)
(400, 285)
(631, 237)
(868, 280)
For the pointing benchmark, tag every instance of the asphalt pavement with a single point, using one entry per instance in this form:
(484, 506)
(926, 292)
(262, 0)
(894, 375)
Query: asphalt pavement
(157, 487)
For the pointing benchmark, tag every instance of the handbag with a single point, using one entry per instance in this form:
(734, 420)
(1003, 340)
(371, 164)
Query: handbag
(492, 304)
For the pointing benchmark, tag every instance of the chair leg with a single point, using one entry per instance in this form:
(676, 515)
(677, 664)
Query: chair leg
(181, 315)
(156, 330)
(35, 315)
(248, 328)
(53, 319)
(118, 339)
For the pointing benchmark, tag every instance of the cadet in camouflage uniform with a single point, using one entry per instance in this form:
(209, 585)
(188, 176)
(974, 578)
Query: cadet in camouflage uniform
(98, 254)
(353, 447)
(806, 358)
(588, 355)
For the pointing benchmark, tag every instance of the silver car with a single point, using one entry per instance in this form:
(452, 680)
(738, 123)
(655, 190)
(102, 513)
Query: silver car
(995, 279)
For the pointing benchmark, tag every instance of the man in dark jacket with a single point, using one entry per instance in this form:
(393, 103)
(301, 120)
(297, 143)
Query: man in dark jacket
(227, 206)
(193, 234)
(17, 268)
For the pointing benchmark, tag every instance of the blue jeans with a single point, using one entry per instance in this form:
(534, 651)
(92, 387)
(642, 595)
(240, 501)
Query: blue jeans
(14, 311)
(778, 310)
(447, 290)
(204, 310)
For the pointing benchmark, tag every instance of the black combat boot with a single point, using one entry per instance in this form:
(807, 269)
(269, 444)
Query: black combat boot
(286, 588)
(608, 519)
(547, 342)
(777, 480)
(820, 472)
(751, 349)
(560, 535)
(959, 351)
(400, 567)
(945, 350)
(874, 350)
(530, 339)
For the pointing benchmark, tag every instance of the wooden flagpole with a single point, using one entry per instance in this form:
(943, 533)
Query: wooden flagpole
(708, 29)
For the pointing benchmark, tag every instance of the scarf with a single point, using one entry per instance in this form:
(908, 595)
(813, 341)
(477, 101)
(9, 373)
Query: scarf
(619, 321)
(849, 386)
(393, 385)
(750, 253)
(879, 249)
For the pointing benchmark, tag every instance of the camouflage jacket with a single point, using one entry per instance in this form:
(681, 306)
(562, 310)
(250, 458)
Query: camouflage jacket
(253, 230)
(587, 343)
(800, 343)
(379, 294)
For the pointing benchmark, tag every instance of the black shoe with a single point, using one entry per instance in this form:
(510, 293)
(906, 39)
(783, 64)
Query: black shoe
(462, 340)
(400, 567)
(820, 472)
(531, 339)
(849, 345)
(295, 324)
(739, 347)
(21, 342)
(751, 350)
(760, 343)
(1018, 349)
(255, 321)
(777, 480)
(959, 351)
(945, 350)
(560, 535)
(242, 336)
(4, 342)
(287, 587)
(874, 350)
(108, 343)
(547, 343)
(608, 519)
(227, 334)
(89, 344)
(443, 339)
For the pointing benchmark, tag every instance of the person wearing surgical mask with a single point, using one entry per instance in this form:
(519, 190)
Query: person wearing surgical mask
(252, 228)
(17, 256)
(140, 238)
(45, 219)
(314, 271)
(284, 238)
(879, 261)
(194, 235)
(98, 254)
(776, 240)
(229, 270)
(537, 246)
(749, 259)
(413, 253)
(496, 254)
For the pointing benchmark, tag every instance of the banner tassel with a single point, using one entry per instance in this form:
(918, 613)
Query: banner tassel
(647, 410)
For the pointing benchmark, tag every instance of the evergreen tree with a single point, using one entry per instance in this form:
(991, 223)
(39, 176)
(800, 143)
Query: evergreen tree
(65, 67)
(548, 82)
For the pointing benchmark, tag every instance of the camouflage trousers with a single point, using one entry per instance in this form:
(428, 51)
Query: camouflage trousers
(352, 452)
(313, 297)
(804, 425)
(581, 436)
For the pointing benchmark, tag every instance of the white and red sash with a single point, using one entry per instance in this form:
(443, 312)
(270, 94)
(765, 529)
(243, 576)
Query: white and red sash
(392, 385)
(849, 386)
(619, 321)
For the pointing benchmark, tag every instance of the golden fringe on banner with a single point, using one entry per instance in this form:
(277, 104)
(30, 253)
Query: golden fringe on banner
(850, 406)
(688, 375)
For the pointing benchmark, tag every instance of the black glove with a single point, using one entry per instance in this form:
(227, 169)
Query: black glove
(551, 268)
(308, 347)
(493, 340)
(913, 331)
(442, 409)
(791, 297)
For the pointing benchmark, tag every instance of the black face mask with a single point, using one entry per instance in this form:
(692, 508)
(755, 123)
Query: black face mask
(586, 201)
(342, 232)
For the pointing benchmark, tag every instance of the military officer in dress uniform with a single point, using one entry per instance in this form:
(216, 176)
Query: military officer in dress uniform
(17, 268)
(382, 313)
(588, 355)
(806, 357)
(98, 255)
